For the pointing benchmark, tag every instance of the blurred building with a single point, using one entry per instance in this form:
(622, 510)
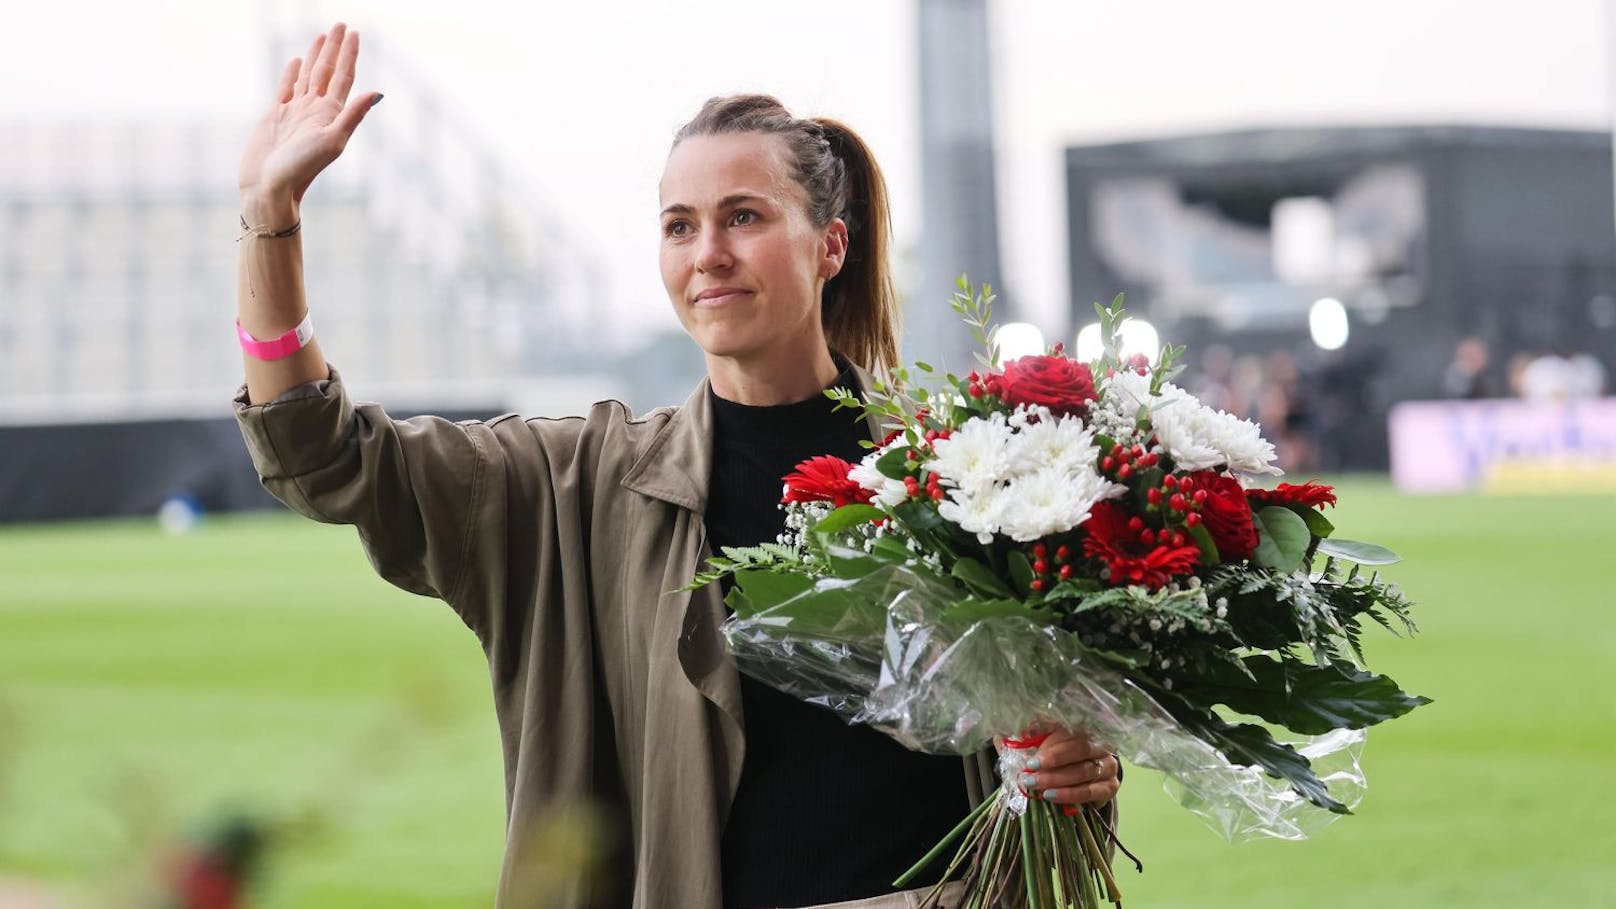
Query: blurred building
(1414, 239)
(438, 282)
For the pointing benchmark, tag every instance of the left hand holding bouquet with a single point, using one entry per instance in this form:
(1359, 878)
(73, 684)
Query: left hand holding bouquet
(1070, 768)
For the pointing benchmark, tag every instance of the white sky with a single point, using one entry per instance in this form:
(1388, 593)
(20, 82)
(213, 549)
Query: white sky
(583, 96)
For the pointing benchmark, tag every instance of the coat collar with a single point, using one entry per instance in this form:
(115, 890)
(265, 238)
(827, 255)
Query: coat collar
(676, 464)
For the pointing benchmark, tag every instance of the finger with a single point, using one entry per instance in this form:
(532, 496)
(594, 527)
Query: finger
(288, 83)
(1068, 748)
(1103, 791)
(354, 113)
(342, 79)
(320, 75)
(307, 65)
(1081, 773)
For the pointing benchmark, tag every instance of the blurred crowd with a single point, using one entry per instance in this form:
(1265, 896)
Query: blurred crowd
(1268, 390)
(1309, 412)
(1547, 375)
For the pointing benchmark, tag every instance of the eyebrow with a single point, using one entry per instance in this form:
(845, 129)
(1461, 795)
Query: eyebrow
(726, 202)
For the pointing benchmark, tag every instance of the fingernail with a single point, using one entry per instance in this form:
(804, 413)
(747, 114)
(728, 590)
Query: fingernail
(377, 100)
(1049, 795)
(1029, 781)
(1035, 764)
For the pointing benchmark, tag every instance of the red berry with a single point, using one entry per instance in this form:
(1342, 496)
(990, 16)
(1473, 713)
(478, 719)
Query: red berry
(1063, 553)
(1200, 496)
(1170, 481)
(1125, 471)
(1178, 502)
(1136, 523)
(1192, 519)
(1153, 496)
(1116, 450)
(936, 494)
(1178, 538)
(976, 391)
(1065, 572)
(1150, 460)
(1186, 484)
(1148, 537)
(1038, 549)
(1037, 585)
(1108, 462)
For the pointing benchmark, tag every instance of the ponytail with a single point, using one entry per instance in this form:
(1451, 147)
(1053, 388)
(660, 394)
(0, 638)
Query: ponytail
(859, 306)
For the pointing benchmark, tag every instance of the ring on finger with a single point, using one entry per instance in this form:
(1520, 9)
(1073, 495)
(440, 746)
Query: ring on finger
(1099, 768)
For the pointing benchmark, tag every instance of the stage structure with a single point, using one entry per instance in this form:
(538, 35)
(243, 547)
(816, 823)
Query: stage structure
(1425, 235)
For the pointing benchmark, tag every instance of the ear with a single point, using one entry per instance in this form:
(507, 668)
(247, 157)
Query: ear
(834, 250)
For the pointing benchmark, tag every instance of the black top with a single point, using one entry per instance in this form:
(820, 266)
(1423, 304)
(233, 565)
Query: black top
(825, 812)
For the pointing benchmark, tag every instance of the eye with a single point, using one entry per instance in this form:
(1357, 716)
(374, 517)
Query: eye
(743, 217)
(675, 229)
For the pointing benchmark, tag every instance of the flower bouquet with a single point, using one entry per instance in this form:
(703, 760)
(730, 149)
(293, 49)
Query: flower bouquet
(1050, 543)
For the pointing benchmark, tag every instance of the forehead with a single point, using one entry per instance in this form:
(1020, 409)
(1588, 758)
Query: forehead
(704, 169)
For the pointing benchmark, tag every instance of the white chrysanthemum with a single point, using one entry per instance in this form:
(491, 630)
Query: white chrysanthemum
(974, 510)
(1050, 501)
(976, 455)
(1198, 438)
(887, 491)
(1064, 444)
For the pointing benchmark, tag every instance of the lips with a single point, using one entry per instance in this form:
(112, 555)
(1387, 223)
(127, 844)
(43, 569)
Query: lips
(719, 296)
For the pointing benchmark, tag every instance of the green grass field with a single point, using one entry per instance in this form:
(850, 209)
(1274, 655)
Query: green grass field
(148, 681)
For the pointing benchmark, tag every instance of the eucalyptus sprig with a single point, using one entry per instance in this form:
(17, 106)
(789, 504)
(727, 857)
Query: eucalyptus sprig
(975, 306)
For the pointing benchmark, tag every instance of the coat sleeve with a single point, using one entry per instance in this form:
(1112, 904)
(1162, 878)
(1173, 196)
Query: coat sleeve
(417, 490)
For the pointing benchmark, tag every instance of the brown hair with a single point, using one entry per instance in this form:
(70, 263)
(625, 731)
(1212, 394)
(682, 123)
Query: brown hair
(859, 308)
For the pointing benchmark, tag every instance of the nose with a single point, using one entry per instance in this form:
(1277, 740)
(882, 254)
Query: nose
(713, 252)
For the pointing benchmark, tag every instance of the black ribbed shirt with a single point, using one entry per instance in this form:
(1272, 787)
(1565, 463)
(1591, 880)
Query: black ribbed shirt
(825, 811)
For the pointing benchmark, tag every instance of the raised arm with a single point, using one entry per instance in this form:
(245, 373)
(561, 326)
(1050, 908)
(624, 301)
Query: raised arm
(306, 127)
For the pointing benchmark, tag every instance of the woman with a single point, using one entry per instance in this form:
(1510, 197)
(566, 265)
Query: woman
(554, 539)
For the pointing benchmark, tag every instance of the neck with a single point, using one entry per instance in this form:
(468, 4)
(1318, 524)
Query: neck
(766, 381)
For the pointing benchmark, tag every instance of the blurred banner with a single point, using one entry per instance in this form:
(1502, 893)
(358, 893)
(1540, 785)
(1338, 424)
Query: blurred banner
(1504, 446)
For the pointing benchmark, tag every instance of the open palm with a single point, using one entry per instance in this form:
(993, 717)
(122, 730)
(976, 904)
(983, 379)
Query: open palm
(310, 121)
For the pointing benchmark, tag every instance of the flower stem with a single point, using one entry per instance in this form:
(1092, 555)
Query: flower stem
(942, 844)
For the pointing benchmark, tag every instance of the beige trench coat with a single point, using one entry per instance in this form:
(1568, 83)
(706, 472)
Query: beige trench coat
(555, 541)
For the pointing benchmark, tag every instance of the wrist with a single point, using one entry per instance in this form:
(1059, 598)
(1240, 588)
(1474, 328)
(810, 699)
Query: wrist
(275, 210)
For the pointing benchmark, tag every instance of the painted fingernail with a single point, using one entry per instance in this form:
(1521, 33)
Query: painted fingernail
(1029, 781)
(375, 101)
(1049, 794)
(1035, 764)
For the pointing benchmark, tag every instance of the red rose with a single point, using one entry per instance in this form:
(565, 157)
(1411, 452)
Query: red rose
(1130, 559)
(1064, 386)
(1227, 514)
(824, 479)
(1307, 495)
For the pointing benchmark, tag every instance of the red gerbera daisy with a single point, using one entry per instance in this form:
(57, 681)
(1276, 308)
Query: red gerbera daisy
(1130, 559)
(1308, 495)
(824, 479)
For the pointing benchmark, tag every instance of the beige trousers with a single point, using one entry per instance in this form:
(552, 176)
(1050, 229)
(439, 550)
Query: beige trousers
(908, 899)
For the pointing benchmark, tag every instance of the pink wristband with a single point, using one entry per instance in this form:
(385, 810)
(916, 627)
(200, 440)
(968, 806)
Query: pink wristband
(281, 347)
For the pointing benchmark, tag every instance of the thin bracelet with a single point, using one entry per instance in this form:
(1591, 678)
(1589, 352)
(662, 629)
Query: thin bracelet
(266, 233)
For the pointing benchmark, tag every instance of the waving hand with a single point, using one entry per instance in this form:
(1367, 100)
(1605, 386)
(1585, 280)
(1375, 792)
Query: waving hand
(310, 121)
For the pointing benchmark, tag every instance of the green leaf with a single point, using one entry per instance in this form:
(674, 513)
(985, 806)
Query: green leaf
(756, 590)
(1250, 745)
(981, 579)
(1317, 523)
(1305, 697)
(974, 609)
(1203, 539)
(891, 548)
(847, 516)
(894, 464)
(1021, 573)
(1362, 553)
(1282, 539)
